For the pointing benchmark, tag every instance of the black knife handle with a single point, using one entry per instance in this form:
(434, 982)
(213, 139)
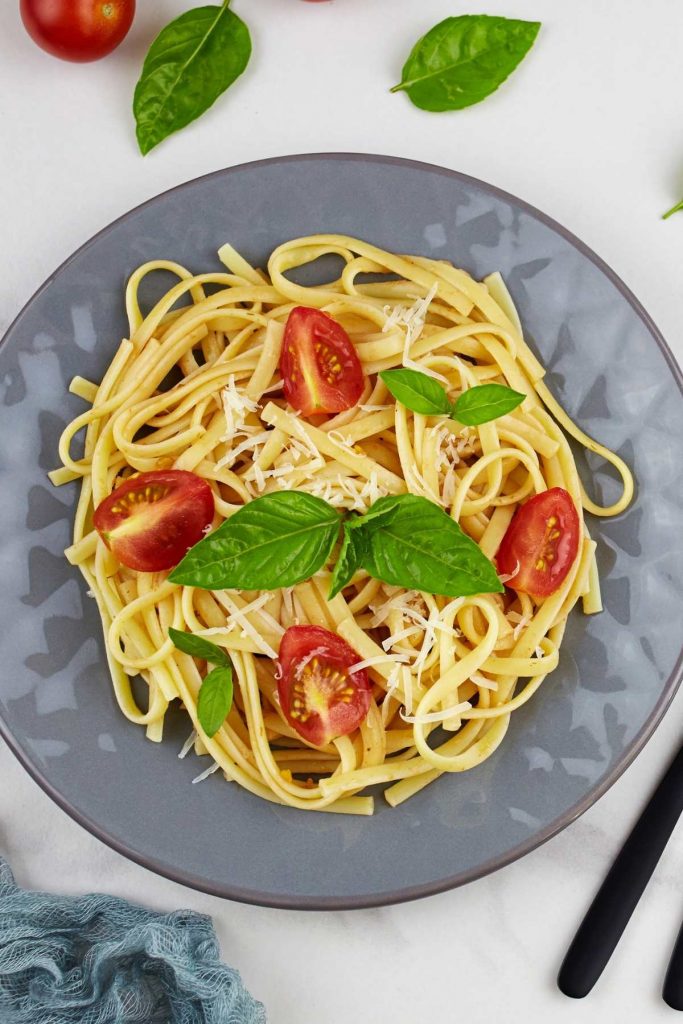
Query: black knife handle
(625, 883)
(672, 992)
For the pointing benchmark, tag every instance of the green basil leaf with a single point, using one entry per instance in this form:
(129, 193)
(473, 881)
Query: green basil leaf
(199, 647)
(190, 63)
(274, 541)
(421, 548)
(417, 391)
(348, 560)
(215, 699)
(486, 402)
(463, 60)
(354, 548)
(381, 510)
(674, 209)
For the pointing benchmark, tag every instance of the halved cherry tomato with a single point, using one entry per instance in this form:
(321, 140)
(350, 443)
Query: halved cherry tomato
(541, 543)
(151, 520)
(77, 30)
(320, 698)
(319, 364)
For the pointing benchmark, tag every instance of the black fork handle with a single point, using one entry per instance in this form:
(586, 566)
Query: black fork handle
(618, 895)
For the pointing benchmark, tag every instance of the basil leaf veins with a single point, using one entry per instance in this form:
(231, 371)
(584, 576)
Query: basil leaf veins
(190, 63)
(215, 699)
(277, 540)
(420, 547)
(462, 60)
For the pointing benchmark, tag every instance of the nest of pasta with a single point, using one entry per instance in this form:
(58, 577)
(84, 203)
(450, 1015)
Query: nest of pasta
(197, 387)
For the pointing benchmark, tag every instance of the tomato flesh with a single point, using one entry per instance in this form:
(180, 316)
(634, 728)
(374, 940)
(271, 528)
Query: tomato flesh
(320, 367)
(77, 30)
(151, 520)
(541, 543)
(319, 697)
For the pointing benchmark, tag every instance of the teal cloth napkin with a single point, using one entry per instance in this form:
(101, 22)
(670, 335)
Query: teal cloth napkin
(98, 959)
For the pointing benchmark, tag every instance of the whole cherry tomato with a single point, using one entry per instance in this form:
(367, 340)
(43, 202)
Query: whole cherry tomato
(77, 30)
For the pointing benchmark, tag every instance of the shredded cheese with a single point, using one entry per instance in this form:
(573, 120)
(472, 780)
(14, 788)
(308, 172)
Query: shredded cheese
(377, 659)
(204, 775)
(238, 617)
(412, 320)
(188, 744)
(505, 576)
(236, 406)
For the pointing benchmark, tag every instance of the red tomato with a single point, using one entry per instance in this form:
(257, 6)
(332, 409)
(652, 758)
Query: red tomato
(541, 543)
(77, 30)
(319, 365)
(151, 520)
(320, 698)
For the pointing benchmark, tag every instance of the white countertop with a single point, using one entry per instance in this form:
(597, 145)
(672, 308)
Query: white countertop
(588, 130)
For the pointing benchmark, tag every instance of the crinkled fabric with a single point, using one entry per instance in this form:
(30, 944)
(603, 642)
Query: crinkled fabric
(98, 959)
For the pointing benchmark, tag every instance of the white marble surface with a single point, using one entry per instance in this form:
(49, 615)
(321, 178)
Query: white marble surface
(588, 130)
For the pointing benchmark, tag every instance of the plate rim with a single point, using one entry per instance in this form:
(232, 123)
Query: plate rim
(406, 893)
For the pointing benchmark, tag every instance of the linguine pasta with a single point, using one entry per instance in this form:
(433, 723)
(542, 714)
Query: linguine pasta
(196, 387)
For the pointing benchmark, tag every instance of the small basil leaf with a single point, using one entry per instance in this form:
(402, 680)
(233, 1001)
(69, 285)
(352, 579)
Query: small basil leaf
(274, 541)
(674, 209)
(417, 391)
(349, 558)
(190, 63)
(381, 510)
(215, 699)
(486, 402)
(198, 647)
(463, 60)
(422, 548)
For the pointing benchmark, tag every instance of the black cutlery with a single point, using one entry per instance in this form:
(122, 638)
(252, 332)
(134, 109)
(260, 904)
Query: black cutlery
(618, 895)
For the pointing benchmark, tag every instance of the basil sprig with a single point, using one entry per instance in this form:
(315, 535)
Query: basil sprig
(424, 394)
(410, 542)
(215, 694)
(462, 60)
(190, 63)
(284, 538)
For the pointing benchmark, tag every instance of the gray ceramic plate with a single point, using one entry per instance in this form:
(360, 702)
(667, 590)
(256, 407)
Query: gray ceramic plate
(618, 670)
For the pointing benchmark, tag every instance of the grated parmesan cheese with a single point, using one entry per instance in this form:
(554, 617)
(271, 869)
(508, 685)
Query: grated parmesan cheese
(204, 775)
(236, 406)
(412, 320)
(238, 617)
(353, 493)
(345, 442)
(251, 443)
(505, 576)
(188, 744)
(402, 634)
(377, 659)
(522, 622)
